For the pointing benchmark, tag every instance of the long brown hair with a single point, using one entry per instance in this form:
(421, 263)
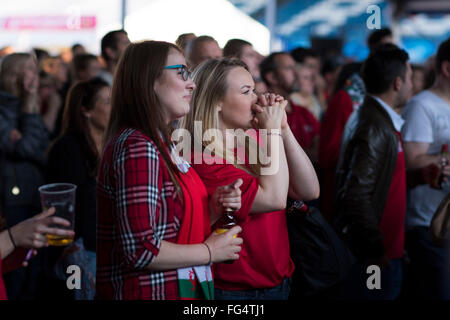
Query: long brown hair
(134, 101)
(83, 95)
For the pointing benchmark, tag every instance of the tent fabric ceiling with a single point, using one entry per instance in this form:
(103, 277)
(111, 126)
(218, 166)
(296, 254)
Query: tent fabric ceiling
(422, 25)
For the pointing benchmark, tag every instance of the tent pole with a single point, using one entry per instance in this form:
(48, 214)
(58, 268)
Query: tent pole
(124, 13)
(270, 17)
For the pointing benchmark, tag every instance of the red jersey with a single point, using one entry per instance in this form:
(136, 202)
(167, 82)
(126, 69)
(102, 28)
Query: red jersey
(392, 224)
(264, 260)
(3, 295)
(303, 125)
(339, 110)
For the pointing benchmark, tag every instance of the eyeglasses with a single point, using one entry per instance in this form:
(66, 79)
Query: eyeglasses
(185, 73)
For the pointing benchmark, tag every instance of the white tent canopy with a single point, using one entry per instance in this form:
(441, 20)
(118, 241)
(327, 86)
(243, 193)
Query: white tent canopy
(166, 19)
(145, 19)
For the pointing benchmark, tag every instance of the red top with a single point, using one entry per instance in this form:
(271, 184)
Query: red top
(195, 226)
(339, 110)
(303, 125)
(264, 260)
(333, 123)
(138, 207)
(392, 225)
(12, 262)
(3, 295)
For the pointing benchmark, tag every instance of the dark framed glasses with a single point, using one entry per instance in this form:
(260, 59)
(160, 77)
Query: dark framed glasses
(184, 71)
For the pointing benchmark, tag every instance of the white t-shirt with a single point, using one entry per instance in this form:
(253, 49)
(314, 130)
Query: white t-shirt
(427, 119)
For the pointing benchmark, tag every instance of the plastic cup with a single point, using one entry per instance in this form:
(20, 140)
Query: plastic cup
(61, 196)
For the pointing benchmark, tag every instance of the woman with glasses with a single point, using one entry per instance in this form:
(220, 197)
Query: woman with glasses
(153, 209)
(225, 102)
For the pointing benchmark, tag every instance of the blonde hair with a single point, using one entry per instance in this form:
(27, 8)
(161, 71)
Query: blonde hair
(211, 83)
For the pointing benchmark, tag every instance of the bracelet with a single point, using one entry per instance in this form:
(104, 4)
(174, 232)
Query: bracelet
(11, 237)
(274, 134)
(209, 250)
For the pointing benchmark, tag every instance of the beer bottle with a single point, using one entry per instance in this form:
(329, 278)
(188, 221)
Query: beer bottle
(443, 161)
(225, 223)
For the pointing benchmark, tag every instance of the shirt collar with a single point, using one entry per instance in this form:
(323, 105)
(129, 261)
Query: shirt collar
(180, 162)
(397, 120)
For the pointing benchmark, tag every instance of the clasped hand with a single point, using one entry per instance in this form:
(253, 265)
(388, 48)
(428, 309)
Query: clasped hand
(270, 112)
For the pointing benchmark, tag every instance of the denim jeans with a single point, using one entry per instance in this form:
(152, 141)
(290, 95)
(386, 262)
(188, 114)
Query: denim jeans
(355, 286)
(280, 292)
(76, 254)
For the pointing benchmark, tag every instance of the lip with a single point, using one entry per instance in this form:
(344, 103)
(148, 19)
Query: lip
(188, 97)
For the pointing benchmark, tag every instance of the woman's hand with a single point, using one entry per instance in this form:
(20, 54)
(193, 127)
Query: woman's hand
(32, 233)
(271, 117)
(14, 136)
(268, 100)
(225, 246)
(265, 100)
(228, 196)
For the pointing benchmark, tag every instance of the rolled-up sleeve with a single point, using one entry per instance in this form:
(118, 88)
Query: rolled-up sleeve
(137, 171)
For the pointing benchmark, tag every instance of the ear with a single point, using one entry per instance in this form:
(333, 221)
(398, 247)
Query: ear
(85, 113)
(219, 107)
(270, 76)
(110, 53)
(398, 83)
(445, 68)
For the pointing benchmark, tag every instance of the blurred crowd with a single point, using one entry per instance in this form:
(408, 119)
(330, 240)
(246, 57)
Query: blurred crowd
(373, 132)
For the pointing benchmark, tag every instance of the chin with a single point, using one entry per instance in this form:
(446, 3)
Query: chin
(246, 126)
(184, 111)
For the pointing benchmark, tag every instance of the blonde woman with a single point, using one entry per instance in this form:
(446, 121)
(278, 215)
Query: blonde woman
(224, 99)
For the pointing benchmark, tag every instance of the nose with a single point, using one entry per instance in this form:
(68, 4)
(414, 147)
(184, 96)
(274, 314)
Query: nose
(255, 97)
(190, 84)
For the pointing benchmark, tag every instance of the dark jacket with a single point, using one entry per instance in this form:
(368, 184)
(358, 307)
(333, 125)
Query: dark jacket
(363, 180)
(22, 162)
(68, 162)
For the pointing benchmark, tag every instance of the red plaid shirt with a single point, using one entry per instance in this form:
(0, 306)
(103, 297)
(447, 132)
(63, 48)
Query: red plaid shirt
(137, 208)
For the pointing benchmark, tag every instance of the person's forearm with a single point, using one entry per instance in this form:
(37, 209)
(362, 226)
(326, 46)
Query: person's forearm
(273, 182)
(6, 246)
(303, 181)
(421, 161)
(173, 256)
